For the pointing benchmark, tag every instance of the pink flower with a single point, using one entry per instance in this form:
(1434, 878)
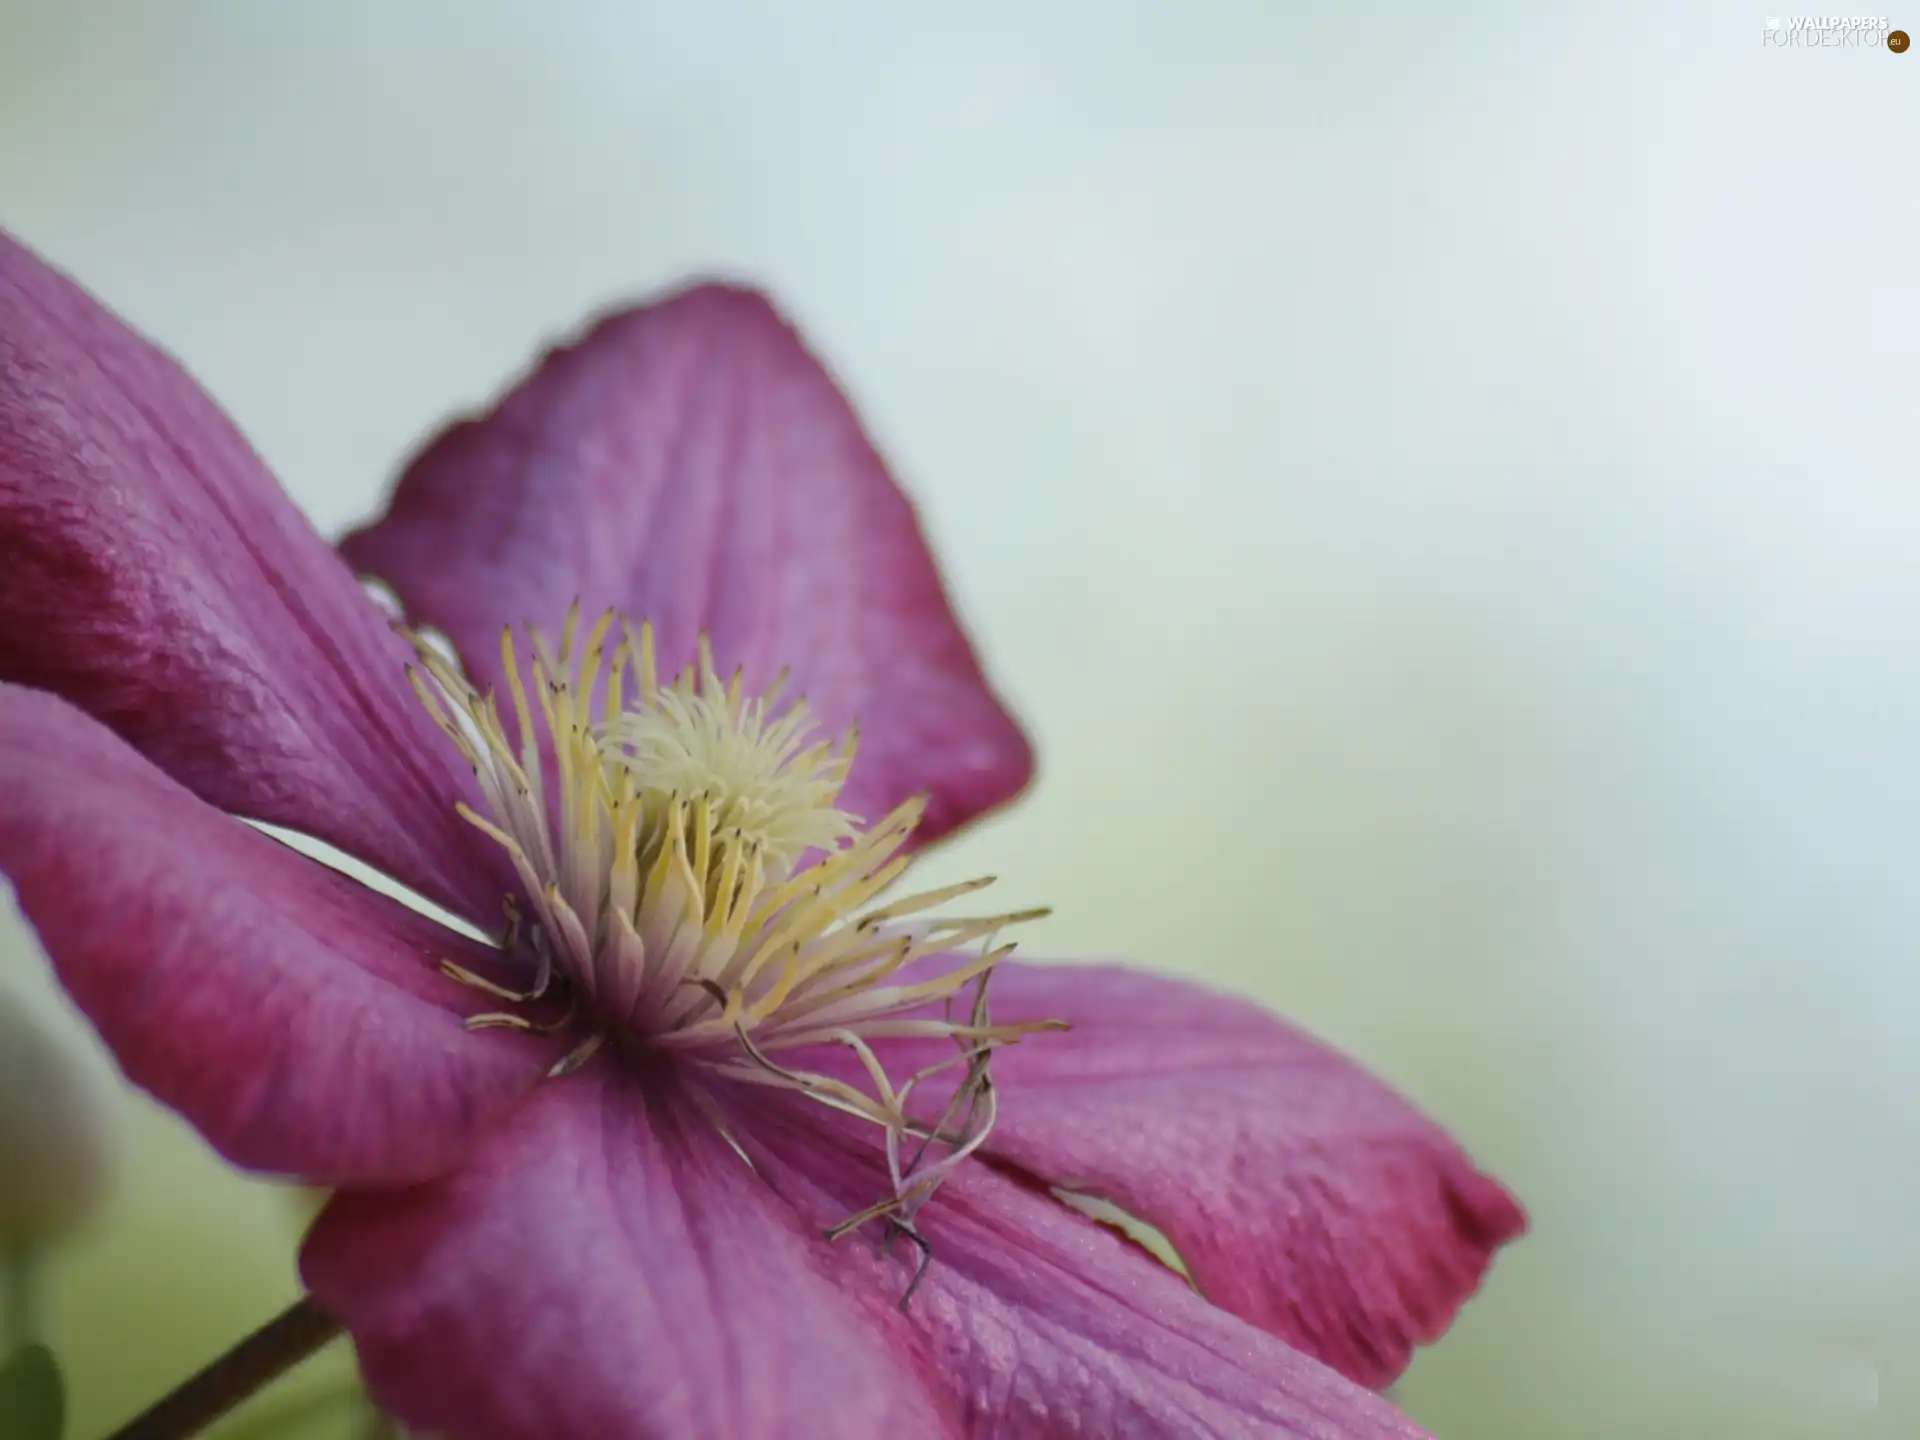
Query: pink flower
(633, 1246)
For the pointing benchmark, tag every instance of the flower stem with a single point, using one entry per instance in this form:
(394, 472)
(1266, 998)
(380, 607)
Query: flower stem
(21, 1278)
(255, 1362)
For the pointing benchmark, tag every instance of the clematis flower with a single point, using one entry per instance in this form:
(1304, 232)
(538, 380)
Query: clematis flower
(587, 1167)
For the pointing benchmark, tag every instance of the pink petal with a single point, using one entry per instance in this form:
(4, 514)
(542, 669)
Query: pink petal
(690, 463)
(1044, 1323)
(295, 1017)
(152, 573)
(1303, 1194)
(608, 1267)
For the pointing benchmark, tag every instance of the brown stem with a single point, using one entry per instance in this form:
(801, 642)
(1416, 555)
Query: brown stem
(263, 1357)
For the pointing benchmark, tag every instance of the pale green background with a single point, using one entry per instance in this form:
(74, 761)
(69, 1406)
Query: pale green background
(1438, 483)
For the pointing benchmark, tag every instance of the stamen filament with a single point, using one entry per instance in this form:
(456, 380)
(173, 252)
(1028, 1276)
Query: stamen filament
(659, 831)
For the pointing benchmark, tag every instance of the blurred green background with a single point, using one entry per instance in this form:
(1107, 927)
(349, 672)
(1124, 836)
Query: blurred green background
(1439, 486)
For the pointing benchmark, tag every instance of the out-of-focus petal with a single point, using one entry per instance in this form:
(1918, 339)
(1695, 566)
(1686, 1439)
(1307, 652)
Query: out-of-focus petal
(152, 573)
(295, 1017)
(690, 463)
(1301, 1192)
(607, 1266)
(1046, 1325)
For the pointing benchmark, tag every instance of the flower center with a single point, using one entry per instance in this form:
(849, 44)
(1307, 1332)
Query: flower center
(694, 883)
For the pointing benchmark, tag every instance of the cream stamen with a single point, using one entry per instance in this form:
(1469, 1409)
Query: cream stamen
(694, 881)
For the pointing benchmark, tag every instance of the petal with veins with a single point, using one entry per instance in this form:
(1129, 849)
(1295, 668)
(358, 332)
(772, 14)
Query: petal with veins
(294, 1016)
(153, 573)
(607, 1266)
(690, 464)
(1045, 1324)
(1302, 1193)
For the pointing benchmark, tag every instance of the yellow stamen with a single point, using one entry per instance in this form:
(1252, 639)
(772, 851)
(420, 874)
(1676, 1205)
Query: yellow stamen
(689, 872)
